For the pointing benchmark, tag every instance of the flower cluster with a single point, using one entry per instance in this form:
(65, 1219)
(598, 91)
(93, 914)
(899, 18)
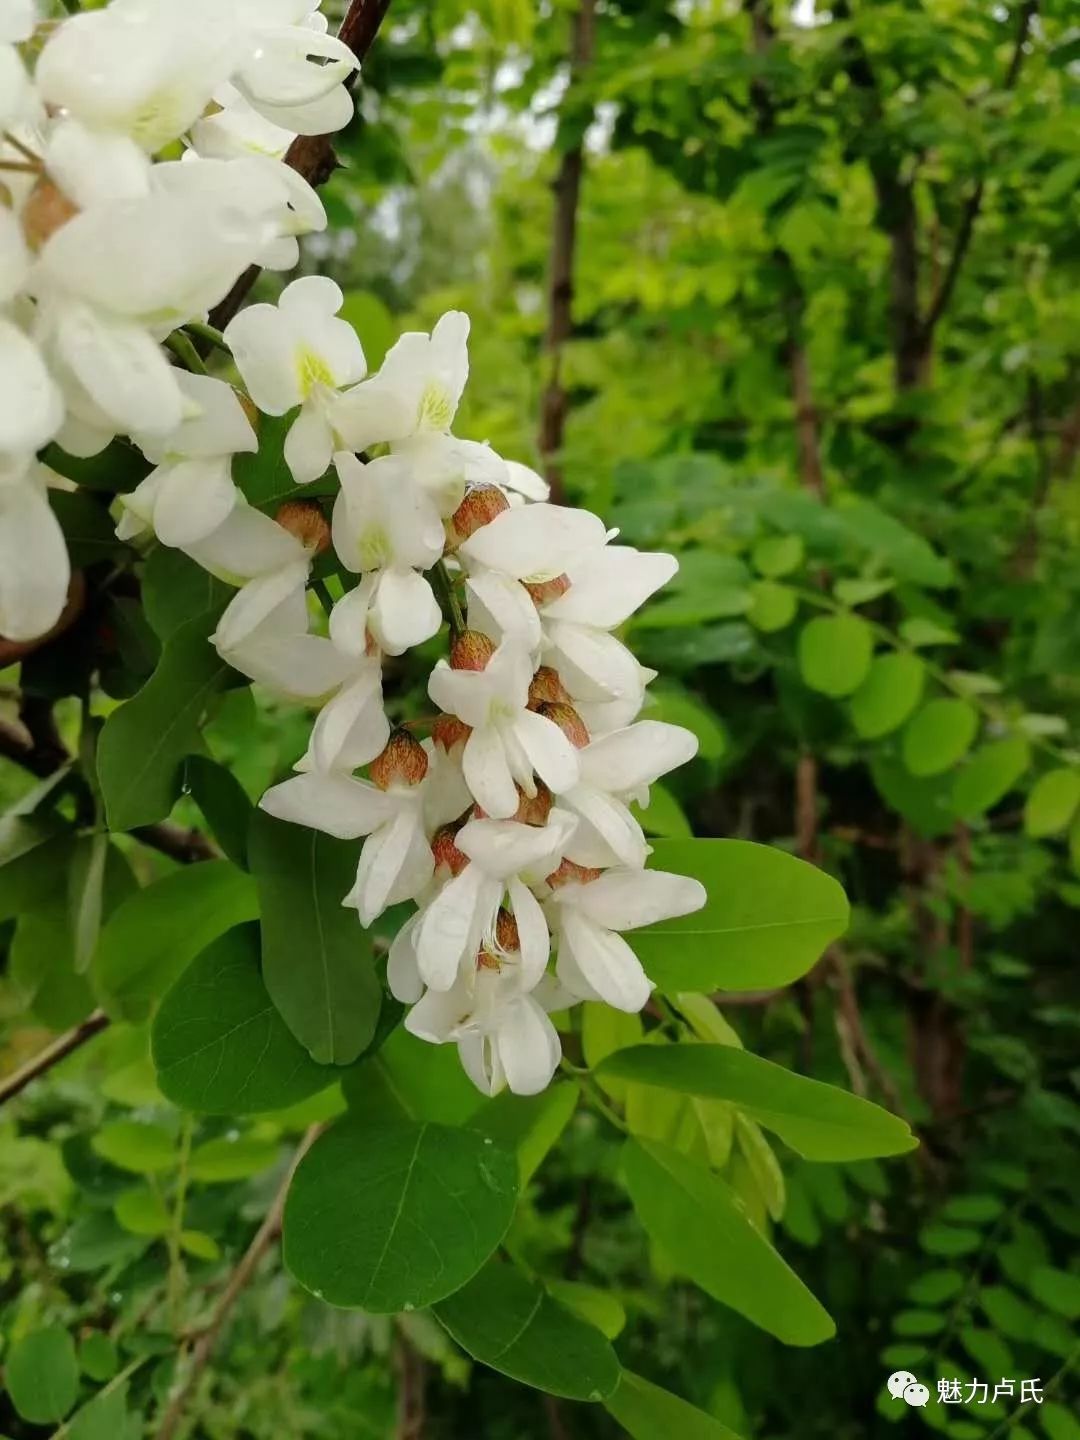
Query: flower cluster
(509, 825)
(141, 173)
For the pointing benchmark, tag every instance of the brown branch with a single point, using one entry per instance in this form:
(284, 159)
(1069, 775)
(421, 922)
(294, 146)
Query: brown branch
(312, 156)
(59, 1050)
(970, 213)
(184, 845)
(265, 1236)
(412, 1371)
(554, 402)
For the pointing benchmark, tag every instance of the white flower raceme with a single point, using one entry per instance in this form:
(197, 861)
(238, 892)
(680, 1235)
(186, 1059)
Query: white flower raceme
(34, 566)
(416, 391)
(190, 492)
(389, 530)
(396, 861)
(292, 72)
(298, 353)
(509, 742)
(587, 909)
(615, 769)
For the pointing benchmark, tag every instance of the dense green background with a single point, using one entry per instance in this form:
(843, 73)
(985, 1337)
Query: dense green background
(824, 348)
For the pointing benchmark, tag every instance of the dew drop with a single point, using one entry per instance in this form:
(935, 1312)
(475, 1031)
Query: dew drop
(595, 1395)
(408, 1306)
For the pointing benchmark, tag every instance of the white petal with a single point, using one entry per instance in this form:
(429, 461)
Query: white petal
(309, 445)
(593, 664)
(465, 693)
(453, 925)
(625, 899)
(608, 965)
(506, 847)
(608, 834)
(550, 753)
(405, 612)
(193, 499)
(122, 368)
(352, 728)
(532, 932)
(395, 864)
(535, 540)
(525, 481)
(257, 601)
(528, 1047)
(487, 773)
(34, 568)
(437, 1014)
(246, 545)
(262, 347)
(334, 804)
(500, 607)
(626, 759)
(213, 424)
(32, 408)
(402, 973)
(610, 586)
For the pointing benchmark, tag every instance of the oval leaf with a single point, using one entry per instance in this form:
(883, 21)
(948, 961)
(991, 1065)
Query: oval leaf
(42, 1375)
(890, 692)
(835, 653)
(393, 1216)
(318, 961)
(989, 775)
(938, 736)
(511, 1324)
(1052, 803)
(703, 1232)
(647, 1412)
(819, 1122)
(219, 1045)
(768, 918)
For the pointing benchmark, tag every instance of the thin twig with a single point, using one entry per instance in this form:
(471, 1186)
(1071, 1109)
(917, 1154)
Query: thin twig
(59, 1050)
(265, 1236)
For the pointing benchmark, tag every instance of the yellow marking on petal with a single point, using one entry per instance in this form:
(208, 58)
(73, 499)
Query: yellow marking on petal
(436, 409)
(311, 370)
(373, 548)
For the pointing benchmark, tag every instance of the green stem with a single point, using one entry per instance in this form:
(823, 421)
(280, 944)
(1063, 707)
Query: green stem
(176, 1263)
(589, 1088)
(326, 600)
(207, 333)
(181, 346)
(447, 597)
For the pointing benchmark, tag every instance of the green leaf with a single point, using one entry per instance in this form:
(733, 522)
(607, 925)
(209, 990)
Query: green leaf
(98, 1356)
(34, 857)
(819, 1122)
(890, 692)
(835, 652)
(224, 802)
(703, 1232)
(117, 468)
(232, 1159)
(938, 736)
(174, 588)
(134, 1145)
(389, 1216)
(86, 881)
(768, 918)
(373, 322)
(529, 1124)
(42, 1375)
(199, 1245)
(142, 1211)
(318, 961)
(105, 1417)
(663, 815)
(648, 1413)
(989, 775)
(1052, 803)
(219, 1045)
(511, 1324)
(149, 939)
(777, 555)
(680, 707)
(1057, 1289)
(596, 1307)
(144, 743)
(772, 606)
(88, 530)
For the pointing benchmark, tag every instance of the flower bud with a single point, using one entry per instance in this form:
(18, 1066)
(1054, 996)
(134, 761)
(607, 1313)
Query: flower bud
(531, 810)
(305, 520)
(544, 591)
(471, 651)
(570, 873)
(445, 850)
(547, 689)
(569, 722)
(404, 761)
(480, 506)
(47, 210)
(449, 731)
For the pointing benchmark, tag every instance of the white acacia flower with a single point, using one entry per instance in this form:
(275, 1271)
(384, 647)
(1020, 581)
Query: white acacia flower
(190, 492)
(264, 633)
(17, 21)
(94, 167)
(500, 1025)
(237, 129)
(298, 353)
(594, 962)
(509, 742)
(416, 390)
(387, 529)
(34, 566)
(615, 769)
(504, 857)
(292, 72)
(396, 861)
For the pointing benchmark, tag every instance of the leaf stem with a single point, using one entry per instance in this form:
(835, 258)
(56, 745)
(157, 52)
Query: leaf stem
(181, 346)
(176, 1263)
(447, 596)
(209, 333)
